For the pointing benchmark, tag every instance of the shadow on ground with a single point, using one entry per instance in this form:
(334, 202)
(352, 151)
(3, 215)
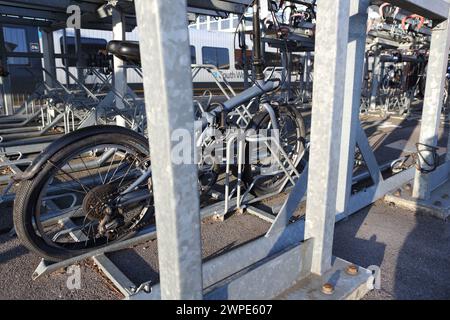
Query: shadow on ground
(410, 248)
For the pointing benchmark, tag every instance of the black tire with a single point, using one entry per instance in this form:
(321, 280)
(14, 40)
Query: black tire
(29, 192)
(248, 176)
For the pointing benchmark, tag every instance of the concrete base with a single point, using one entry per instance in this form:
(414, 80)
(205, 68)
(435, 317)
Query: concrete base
(438, 205)
(345, 286)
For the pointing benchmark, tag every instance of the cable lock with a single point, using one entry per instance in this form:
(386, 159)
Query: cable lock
(424, 148)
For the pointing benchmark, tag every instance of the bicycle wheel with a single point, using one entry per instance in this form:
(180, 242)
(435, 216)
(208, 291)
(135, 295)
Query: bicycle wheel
(261, 174)
(79, 200)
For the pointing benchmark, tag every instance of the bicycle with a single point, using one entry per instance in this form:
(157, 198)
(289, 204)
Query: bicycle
(94, 186)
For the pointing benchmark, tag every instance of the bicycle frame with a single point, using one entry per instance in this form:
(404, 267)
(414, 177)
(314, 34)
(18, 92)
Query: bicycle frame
(260, 88)
(230, 105)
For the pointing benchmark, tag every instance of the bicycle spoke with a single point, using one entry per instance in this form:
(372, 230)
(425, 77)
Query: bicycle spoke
(131, 164)
(109, 168)
(118, 166)
(86, 190)
(92, 177)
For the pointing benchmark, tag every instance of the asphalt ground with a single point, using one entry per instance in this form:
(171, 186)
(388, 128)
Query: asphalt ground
(409, 248)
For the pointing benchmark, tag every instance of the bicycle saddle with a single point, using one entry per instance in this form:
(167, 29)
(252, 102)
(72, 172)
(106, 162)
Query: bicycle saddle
(127, 51)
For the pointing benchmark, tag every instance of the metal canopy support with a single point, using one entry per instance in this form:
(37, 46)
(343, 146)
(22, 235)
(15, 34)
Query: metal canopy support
(52, 13)
(433, 101)
(435, 9)
(167, 79)
(5, 85)
(328, 102)
(120, 73)
(230, 6)
(306, 74)
(78, 54)
(65, 51)
(353, 88)
(376, 79)
(48, 50)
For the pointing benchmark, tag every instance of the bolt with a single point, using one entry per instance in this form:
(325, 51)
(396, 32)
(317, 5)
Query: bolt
(398, 193)
(328, 288)
(352, 270)
(438, 204)
(408, 187)
(445, 196)
(132, 289)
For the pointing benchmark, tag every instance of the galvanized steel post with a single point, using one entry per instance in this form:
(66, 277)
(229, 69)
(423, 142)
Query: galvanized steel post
(165, 53)
(5, 85)
(328, 104)
(352, 100)
(433, 102)
(120, 72)
(48, 51)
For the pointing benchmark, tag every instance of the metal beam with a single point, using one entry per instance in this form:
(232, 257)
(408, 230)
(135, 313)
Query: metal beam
(24, 22)
(266, 279)
(205, 12)
(47, 6)
(367, 153)
(33, 13)
(433, 102)
(120, 73)
(48, 50)
(218, 5)
(353, 87)
(328, 101)
(78, 53)
(435, 9)
(376, 78)
(5, 83)
(53, 12)
(167, 81)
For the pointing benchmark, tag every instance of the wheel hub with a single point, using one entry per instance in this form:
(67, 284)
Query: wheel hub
(99, 202)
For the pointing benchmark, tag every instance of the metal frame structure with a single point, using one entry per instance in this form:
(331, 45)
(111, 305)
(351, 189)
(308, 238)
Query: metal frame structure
(327, 167)
(289, 252)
